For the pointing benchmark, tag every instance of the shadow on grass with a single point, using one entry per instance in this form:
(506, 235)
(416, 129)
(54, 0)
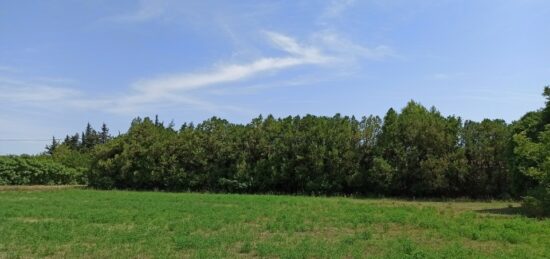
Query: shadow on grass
(508, 211)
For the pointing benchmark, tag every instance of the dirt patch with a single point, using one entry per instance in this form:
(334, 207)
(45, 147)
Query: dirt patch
(35, 220)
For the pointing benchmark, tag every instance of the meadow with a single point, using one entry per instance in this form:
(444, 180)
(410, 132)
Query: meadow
(86, 223)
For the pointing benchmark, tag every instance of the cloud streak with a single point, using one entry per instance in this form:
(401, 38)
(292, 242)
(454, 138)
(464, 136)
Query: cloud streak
(181, 89)
(336, 7)
(8, 69)
(17, 91)
(340, 46)
(147, 10)
(167, 88)
(325, 47)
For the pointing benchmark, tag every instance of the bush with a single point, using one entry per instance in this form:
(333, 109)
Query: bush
(72, 158)
(26, 170)
(537, 204)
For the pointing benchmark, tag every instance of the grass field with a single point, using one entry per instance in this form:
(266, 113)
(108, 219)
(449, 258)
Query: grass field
(119, 224)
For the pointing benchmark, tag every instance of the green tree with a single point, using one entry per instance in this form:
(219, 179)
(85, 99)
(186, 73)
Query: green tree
(532, 156)
(139, 159)
(419, 146)
(374, 174)
(73, 141)
(51, 148)
(90, 137)
(104, 135)
(486, 147)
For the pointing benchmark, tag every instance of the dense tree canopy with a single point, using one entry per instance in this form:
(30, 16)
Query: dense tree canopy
(414, 152)
(531, 148)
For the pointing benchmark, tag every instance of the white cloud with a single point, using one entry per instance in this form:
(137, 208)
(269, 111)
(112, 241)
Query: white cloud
(164, 89)
(178, 87)
(18, 91)
(440, 76)
(311, 54)
(336, 7)
(446, 76)
(257, 87)
(328, 40)
(147, 10)
(335, 43)
(56, 80)
(8, 69)
(345, 49)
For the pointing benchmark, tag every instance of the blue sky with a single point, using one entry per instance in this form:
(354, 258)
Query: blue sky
(66, 63)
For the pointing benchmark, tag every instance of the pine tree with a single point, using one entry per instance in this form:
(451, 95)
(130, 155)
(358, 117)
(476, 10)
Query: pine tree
(546, 110)
(51, 148)
(104, 135)
(171, 125)
(157, 123)
(72, 141)
(84, 140)
(90, 137)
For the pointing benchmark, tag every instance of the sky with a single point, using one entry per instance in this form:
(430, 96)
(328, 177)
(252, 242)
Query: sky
(64, 63)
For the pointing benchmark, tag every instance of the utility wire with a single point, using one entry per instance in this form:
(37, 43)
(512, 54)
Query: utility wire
(22, 140)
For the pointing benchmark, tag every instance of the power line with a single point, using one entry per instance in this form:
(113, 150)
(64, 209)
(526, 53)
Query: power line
(23, 140)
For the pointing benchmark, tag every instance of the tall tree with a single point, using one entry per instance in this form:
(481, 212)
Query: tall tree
(486, 147)
(90, 137)
(104, 135)
(532, 157)
(73, 142)
(51, 148)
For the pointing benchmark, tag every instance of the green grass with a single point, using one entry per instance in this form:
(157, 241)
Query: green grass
(119, 224)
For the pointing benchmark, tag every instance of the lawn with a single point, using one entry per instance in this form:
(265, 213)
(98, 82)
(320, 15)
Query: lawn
(120, 224)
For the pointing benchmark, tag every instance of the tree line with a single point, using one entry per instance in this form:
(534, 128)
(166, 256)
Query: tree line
(414, 152)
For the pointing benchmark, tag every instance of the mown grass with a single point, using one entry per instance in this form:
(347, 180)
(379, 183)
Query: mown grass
(120, 224)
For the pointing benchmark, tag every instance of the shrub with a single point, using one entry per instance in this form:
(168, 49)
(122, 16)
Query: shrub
(537, 204)
(23, 170)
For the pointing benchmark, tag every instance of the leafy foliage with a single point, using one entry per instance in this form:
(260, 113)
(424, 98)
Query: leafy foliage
(486, 147)
(532, 156)
(36, 170)
(416, 152)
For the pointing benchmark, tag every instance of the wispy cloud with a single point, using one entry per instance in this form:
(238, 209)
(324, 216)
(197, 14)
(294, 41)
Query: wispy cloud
(258, 87)
(446, 76)
(177, 88)
(183, 88)
(335, 43)
(193, 11)
(145, 11)
(502, 96)
(8, 69)
(336, 7)
(320, 47)
(17, 91)
(167, 89)
(307, 54)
